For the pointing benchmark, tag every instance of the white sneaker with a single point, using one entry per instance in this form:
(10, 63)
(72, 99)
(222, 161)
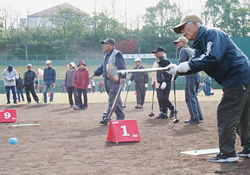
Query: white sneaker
(43, 102)
(50, 102)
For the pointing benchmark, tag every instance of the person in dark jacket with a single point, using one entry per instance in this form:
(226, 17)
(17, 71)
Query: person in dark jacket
(114, 57)
(19, 87)
(49, 79)
(81, 82)
(28, 79)
(192, 82)
(69, 83)
(221, 59)
(141, 83)
(164, 80)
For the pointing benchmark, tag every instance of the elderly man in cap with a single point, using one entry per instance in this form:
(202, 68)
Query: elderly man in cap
(49, 79)
(221, 59)
(9, 76)
(192, 81)
(69, 83)
(164, 80)
(114, 57)
(141, 83)
(81, 82)
(28, 79)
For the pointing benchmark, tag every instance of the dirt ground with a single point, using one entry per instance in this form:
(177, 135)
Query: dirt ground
(73, 142)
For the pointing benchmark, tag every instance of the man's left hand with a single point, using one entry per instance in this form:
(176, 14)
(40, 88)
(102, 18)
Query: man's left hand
(183, 67)
(122, 81)
(146, 85)
(54, 84)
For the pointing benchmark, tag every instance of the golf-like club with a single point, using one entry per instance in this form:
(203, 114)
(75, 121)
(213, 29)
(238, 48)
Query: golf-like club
(152, 107)
(124, 106)
(113, 106)
(176, 120)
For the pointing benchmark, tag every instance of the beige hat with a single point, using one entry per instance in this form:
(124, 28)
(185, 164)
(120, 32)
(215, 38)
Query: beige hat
(181, 39)
(186, 19)
(72, 64)
(48, 62)
(137, 59)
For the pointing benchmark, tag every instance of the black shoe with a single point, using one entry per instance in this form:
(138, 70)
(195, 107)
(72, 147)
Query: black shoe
(192, 121)
(104, 121)
(244, 153)
(173, 113)
(219, 158)
(84, 108)
(162, 116)
(8, 103)
(15, 102)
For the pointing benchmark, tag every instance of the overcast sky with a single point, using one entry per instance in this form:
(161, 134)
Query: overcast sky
(135, 8)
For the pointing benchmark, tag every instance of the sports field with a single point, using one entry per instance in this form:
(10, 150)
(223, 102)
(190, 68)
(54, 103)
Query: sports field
(73, 142)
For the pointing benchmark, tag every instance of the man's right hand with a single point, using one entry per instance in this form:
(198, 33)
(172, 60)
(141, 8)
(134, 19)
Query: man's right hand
(43, 83)
(93, 74)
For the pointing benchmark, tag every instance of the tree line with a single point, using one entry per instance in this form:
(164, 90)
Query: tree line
(72, 32)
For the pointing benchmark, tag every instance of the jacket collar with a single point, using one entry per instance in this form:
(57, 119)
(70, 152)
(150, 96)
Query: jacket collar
(201, 32)
(110, 52)
(162, 58)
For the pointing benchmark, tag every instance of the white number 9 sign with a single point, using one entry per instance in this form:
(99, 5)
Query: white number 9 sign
(7, 115)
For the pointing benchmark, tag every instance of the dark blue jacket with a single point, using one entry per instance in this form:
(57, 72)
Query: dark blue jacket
(220, 58)
(119, 61)
(163, 75)
(49, 74)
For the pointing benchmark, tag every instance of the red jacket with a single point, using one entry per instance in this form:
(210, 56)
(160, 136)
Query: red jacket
(81, 79)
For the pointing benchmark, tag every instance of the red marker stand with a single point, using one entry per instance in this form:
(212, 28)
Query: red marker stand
(7, 115)
(123, 131)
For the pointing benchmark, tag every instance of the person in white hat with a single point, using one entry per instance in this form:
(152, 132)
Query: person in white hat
(69, 84)
(192, 81)
(141, 83)
(49, 81)
(28, 78)
(221, 59)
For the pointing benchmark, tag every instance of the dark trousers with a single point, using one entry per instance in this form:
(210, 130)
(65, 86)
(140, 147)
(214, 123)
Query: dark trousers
(234, 108)
(13, 89)
(140, 92)
(191, 88)
(28, 89)
(163, 98)
(207, 88)
(79, 98)
(71, 91)
(112, 89)
(20, 93)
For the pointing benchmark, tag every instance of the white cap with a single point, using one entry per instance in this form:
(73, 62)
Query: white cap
(137, 59)
(48, 62)
(72, 64)
(29, 65)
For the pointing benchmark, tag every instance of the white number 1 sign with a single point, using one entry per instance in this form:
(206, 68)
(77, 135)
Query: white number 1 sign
(125, 133)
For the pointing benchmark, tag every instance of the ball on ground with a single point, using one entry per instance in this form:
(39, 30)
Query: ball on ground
(13, 141)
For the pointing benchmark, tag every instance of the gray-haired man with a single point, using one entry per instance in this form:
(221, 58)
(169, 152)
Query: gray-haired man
(221, 59)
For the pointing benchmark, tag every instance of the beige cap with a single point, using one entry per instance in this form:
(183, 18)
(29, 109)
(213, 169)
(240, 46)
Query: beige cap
(137, 59)
(186, 19)
(48, 62)
(72, 64)
(181, 39)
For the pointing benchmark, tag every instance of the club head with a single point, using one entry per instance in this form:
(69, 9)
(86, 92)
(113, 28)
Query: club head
(176, 120)
(151, 114)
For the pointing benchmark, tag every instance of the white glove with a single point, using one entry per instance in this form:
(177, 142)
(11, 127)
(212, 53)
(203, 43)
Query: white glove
(163, 85)
(146, 85)
(173, 69)
(129, 82)
(183, 67)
